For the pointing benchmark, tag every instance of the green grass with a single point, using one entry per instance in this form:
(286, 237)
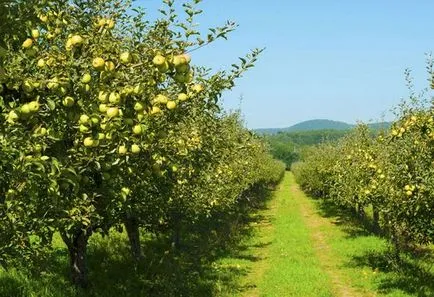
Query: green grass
(269, 250)
(368, 260)
(294, 268)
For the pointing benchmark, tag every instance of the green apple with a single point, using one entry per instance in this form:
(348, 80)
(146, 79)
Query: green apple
(112, 112)
(158, 60)
(41, 63)
(27, 43)
(68, 101)
(137, 129)
(35, 33)
(103, 108)
(88, 142)
(171, 105)
(76, 40)
(125, 58)
(139, 106)
(86, 78)
(98, 63)
(114, 98)
(83, 129)
(135, 149)
(34, 106)
(182, 97)
(122, 150)
(84, 119)
(103, 96)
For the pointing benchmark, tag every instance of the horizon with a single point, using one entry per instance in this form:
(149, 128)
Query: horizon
(304, 121)
(337, 60)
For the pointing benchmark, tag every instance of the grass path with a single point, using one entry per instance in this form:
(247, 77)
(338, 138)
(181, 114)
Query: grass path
(304, 247)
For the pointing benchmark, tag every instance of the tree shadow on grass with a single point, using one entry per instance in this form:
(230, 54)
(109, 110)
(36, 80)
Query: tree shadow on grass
(411, 273)
(202, 266)
(346, 219)
(408, 274)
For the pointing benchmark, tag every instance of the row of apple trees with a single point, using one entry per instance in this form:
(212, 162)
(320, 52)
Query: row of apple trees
(107, 122)
(392, 173)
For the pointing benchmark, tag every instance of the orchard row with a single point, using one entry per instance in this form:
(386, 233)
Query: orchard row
(392, 174)
(106, 122)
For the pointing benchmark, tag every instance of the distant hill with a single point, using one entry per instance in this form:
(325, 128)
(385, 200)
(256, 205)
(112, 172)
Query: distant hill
(314, 125)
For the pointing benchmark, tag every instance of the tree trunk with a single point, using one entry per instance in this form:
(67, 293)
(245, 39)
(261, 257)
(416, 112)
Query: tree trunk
(376, 218)
(176, 237)
(132, 227)
(361, 211)
(77, 247)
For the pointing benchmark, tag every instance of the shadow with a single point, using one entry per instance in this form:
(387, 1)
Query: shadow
(410, 272)
(346, 219)
(406, 274)
(192, 269)
(12, 287)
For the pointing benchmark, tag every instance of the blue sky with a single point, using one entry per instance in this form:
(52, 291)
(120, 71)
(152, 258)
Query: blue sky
(339, 60)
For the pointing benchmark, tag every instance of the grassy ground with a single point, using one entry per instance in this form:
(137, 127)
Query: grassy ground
(289, 245)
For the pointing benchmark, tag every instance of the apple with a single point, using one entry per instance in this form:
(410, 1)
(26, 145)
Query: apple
(158, 60)
(12, 116)
(155, 110)
(43, 18)
(98, 63)
(187, 58)
(76, 40)
(135, 149)
(94, 121)
(125, 58)
(110, 66)
(101, 136)
(161, 99)
(122, 150)
(163, 68)
(182, 97)
(33, 106)
(129, 121)
(68, 101)
(114, 98)
(88, 142)
(180, 77)
(84, 119)
(27, 87)
(112, 112)
(103, 96)
(139, 106)
(83, 129)
(171, 105)
(137, 129)
(197, 88)
(138, 90)
(86, 78)
(101, 22)
(27, 43)
(41, 63)
(183, 68)
(35, 33)
(179, 60)
(103, 108)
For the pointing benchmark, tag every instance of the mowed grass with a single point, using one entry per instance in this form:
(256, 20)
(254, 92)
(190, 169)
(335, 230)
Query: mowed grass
(368, 260)
(295, 269)
(272, 250)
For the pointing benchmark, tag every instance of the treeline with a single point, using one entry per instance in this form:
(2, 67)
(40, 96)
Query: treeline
(289, 146)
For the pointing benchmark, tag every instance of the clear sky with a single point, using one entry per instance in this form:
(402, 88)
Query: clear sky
(325, 59)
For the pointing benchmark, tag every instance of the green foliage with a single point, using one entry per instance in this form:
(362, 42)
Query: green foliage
(391, 172)
(106, 121)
